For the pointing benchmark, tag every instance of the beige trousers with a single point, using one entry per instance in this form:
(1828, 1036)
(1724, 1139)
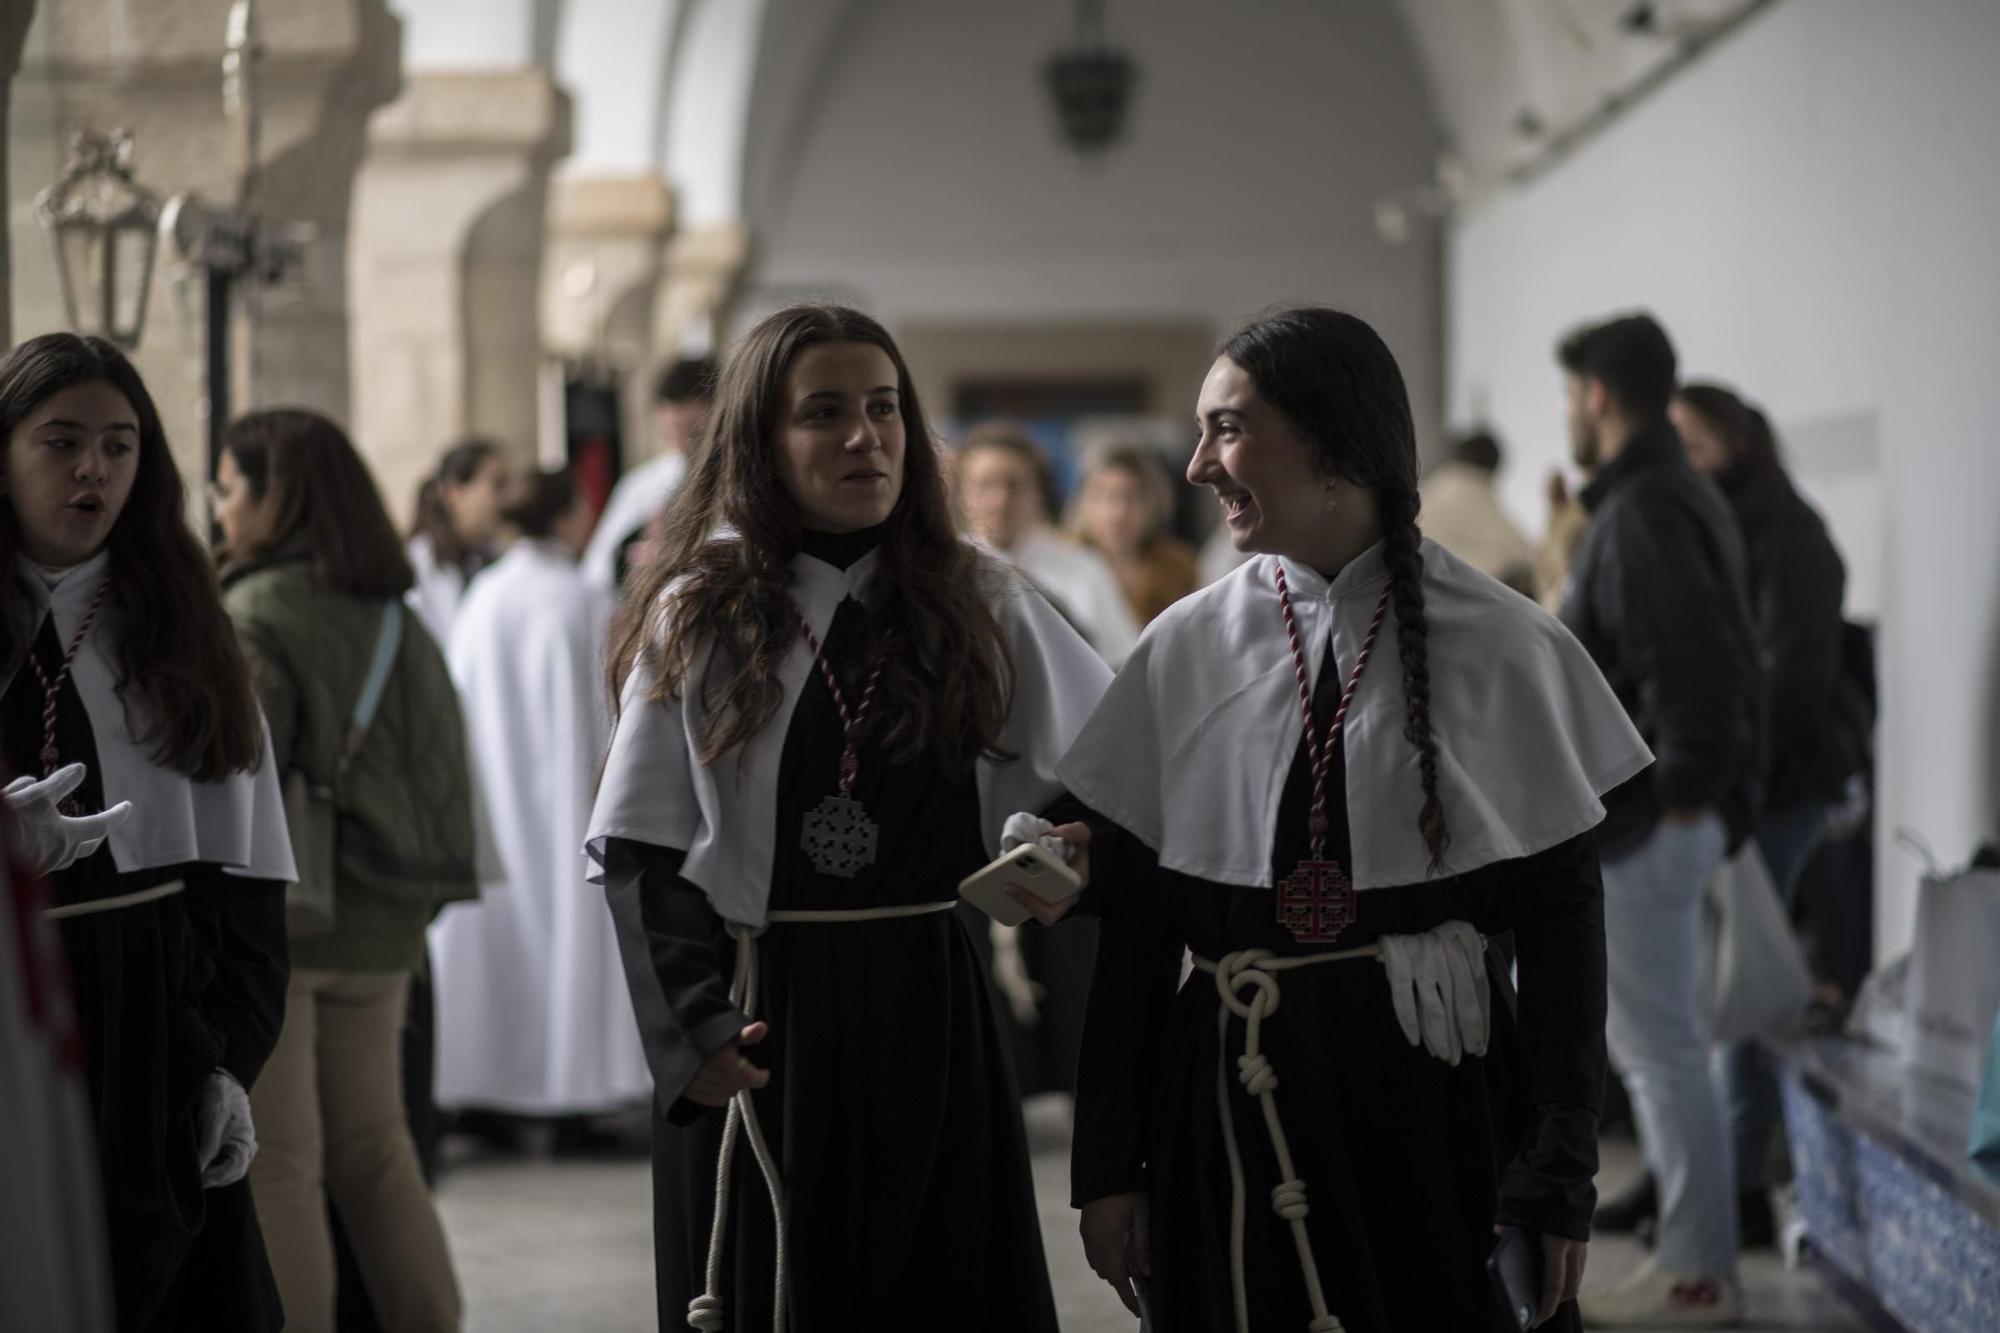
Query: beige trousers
(328, 1108)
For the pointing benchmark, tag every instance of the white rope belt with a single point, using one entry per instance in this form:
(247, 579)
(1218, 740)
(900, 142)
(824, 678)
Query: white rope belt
(705, 1310)
(1257, 970)
(96, 905)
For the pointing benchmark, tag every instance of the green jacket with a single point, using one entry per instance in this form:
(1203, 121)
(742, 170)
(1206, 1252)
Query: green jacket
(405, 836)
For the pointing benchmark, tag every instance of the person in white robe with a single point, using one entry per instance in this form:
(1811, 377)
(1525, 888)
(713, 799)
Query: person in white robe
(680, 414)
(533, 1015)
(1462, 513)
(1006, 488)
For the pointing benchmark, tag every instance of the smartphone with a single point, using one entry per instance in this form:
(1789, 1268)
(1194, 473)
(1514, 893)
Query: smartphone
(1030, 866)
(1515, 1269)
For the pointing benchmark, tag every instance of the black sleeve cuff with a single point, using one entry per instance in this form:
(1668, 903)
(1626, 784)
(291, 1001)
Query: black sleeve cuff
(1550, 1186)
(1088, 1189)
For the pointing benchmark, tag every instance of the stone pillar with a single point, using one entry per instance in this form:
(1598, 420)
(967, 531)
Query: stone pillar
(600, 284)
(449, 216)
(704, 265)
(13, 31)
(156, 66)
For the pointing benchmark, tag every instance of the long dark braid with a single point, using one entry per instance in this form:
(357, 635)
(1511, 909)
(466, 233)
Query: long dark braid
(1335, 380)
(1402, 551)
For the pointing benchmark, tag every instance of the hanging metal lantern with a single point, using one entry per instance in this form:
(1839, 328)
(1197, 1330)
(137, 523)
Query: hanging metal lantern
(1092, 84)
(103, 234)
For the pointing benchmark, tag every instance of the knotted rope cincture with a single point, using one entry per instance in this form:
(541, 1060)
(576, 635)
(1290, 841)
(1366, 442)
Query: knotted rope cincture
(705, 1312)
(1255, 971)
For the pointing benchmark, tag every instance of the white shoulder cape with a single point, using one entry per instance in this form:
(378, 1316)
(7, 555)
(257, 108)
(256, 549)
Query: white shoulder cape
(1190, 747)
(237, 823)
(724, 815)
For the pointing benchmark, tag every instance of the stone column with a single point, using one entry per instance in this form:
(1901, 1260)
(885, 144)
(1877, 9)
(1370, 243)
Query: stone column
(156, 66)
(13, 31)
(450, 213)
(704, 265)
(600, 284)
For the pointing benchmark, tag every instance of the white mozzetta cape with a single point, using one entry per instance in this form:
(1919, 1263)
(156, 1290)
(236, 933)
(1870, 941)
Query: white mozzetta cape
(1190, 748)
(724, 815)
(237, 823)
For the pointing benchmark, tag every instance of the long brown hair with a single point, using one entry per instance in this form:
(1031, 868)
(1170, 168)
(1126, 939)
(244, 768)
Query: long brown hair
(323, 501)
(460, 464)
(1337, 383)
(721, 578)
(181, 672)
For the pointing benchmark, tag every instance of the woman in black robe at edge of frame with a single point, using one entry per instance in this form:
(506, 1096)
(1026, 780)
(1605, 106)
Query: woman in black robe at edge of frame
(826, 698)
(1343, 1159)
(126, 682)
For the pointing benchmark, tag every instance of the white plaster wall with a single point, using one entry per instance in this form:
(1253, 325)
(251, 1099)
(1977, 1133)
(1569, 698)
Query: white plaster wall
(612, 57)
(1811, 211)
(476, 34)
(714, 71)
(928, 182)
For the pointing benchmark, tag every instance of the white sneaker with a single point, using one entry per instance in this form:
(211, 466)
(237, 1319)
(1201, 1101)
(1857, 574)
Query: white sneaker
(1655, 1298)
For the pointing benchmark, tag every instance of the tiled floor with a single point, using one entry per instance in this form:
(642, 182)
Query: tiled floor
(567, 1246)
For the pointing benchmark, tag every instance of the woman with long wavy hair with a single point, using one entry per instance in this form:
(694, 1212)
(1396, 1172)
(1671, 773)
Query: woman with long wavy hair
(826, 698)
(125, 692)
(1353, 759)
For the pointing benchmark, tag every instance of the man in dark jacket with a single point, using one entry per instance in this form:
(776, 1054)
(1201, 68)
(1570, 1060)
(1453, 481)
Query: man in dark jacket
(1816, 730)
(1656, 594)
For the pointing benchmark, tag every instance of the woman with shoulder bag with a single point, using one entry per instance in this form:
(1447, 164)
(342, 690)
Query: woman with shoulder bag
(366, 728)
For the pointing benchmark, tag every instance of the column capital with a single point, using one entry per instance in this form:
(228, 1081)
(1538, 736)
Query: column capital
(456, 112)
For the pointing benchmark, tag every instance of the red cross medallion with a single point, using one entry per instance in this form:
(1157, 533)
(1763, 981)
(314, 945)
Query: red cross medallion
(1316, 903)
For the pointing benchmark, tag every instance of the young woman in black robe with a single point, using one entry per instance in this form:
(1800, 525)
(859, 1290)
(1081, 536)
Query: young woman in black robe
(125, 683)
(826, 699)
(1283, 1141)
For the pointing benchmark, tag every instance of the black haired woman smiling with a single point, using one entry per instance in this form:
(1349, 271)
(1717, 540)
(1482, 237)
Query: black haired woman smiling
(826, 696)
(1350, 760)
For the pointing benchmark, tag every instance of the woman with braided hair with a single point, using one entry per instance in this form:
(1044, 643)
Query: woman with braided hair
(1353, 759)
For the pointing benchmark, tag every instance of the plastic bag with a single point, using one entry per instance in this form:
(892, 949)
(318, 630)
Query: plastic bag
(1756, 982)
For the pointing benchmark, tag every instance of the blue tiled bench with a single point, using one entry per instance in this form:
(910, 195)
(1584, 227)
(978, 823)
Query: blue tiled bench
(1899, 1221)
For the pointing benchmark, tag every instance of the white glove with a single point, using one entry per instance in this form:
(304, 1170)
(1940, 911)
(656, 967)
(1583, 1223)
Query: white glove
(228, 1140)
(1437, 982)
(1027, 827)
(48, 839)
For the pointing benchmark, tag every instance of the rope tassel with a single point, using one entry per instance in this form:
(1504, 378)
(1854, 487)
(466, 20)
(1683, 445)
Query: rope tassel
(705, 1312)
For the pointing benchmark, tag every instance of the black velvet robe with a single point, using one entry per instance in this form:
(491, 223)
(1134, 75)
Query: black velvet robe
(1409, 1163)
(891, 1108)
(167, 992)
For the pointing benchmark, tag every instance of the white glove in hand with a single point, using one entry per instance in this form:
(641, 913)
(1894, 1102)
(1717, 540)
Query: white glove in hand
(1437, 981)
(48, 839)
(1026, 827)
(228, 1141)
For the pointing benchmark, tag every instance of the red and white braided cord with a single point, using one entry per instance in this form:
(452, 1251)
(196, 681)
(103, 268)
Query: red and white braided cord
(850, 725)
(1322, 751)
(51, 690)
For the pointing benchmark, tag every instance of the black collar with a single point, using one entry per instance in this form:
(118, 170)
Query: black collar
(842, 549)
(1654, 446)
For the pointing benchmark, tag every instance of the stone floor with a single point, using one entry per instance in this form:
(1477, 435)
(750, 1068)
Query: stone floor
(546, 1245)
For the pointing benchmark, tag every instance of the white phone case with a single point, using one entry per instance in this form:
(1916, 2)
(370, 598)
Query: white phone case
(1030, 866)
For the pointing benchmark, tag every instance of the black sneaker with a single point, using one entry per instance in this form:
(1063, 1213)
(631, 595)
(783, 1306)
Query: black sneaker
(1756, 1224)
(1640, 1202)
